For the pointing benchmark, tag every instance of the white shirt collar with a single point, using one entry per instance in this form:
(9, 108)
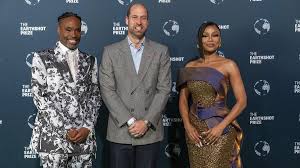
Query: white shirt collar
(64, 49)
(131, 43)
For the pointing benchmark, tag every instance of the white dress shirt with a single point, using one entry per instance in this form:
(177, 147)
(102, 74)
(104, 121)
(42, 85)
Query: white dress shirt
(72, 59)
(136, 54)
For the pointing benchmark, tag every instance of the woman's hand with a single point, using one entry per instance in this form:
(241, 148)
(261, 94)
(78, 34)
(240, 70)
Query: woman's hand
(213, 134)
(192, 133)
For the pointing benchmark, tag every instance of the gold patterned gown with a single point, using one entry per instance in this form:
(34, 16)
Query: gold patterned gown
(208, 89)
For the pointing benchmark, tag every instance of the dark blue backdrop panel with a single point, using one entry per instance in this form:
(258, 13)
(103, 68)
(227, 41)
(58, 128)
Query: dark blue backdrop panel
(262, 36)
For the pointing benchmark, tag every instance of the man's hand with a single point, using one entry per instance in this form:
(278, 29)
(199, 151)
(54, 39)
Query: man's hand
(71, 134)
(138, 128)
(78, 136)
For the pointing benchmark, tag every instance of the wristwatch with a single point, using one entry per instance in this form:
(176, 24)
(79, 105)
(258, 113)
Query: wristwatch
(131, 121)
(147, 123)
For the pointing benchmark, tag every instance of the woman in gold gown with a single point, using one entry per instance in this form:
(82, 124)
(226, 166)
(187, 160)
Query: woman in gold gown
(213, 136)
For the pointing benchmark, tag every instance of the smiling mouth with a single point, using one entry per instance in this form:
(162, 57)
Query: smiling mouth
(138, 28)
(210, 45)
(73, 42)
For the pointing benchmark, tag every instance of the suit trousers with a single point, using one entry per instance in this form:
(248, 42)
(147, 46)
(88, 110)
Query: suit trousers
(50, 160)
(128, 156)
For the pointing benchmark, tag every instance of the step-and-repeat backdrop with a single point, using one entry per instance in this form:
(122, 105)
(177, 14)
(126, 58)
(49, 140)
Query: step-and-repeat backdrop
(262, 36)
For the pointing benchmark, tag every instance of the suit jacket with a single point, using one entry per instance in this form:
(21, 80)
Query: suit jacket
(63, 103)
(128, 94)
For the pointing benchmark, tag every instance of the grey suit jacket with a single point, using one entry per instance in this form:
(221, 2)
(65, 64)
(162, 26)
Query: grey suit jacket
(128, 94)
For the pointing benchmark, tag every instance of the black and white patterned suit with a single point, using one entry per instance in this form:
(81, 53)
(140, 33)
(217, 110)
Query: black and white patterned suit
(64, 102)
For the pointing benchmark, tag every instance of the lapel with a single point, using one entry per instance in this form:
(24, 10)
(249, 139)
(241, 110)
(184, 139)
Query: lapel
(59, 60)
(144, 65)
(84, 64)
(147, 57)
(126, 54)
(83, 61)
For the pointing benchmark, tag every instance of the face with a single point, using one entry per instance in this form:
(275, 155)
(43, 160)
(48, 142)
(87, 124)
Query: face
(137, 22)
(69, 32)
(211, 39)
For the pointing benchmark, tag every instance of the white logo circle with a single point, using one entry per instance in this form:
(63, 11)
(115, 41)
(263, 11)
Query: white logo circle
(29, 59)
(173, 95)
(220, 53)
(172, 150)
(125, 2)
(171, 28)
(262, 148)
(166, 121)
(217, 2)
(262, 87)
(84, 28)
(262, 26)
(30, 120)
(174, 90)
(32, 2)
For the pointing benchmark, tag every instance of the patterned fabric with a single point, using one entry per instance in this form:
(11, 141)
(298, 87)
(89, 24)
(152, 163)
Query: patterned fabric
(73, 63)
(63, 103)
(210, 156)
(65, 161)
(208, 88)
(71, 57)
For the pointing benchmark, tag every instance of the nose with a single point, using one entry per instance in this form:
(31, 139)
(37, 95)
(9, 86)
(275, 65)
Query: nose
(75, 33)
(139, 21)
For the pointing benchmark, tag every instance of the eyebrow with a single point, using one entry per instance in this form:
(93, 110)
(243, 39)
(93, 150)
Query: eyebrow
(212, 32)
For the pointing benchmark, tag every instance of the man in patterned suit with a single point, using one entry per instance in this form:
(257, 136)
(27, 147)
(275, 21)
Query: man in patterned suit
(66, 93)
(135, 82)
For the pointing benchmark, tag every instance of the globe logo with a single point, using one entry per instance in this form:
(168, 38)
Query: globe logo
(262, 87)
(32, 2)
(172, 150)
(166, 121)
(174, 94)
(29, 59)
(174, 88)
(220, 53)
(84, 28)
(217, 2)
(262, 148)
(171, 28)
(262, 26)
(30, 121)
(125, 2)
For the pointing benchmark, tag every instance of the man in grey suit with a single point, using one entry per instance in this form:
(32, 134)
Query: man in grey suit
(135, 82)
